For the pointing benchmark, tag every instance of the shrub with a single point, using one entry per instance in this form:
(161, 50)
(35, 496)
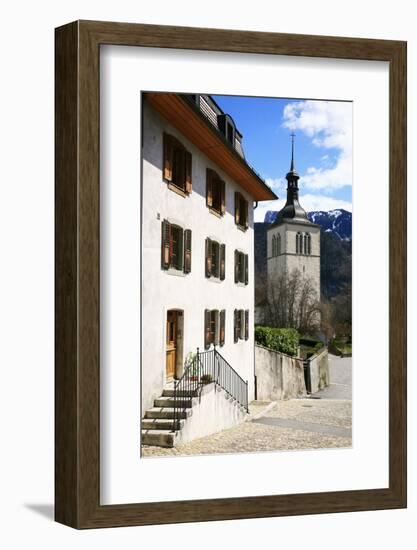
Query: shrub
(284, 340)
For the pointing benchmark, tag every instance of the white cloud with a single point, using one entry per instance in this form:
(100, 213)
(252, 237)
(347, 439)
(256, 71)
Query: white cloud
(309, 202)
(329, 125)
(277, 184)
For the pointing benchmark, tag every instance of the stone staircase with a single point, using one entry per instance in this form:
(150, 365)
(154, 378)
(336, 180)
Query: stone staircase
(158, 422)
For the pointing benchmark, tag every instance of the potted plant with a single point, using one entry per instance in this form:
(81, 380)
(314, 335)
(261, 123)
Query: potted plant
(191, 364)
(206, 379)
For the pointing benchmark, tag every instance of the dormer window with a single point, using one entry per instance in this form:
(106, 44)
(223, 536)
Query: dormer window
(227, 127)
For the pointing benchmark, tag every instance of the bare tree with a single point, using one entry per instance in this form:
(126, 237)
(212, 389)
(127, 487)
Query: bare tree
(292, 302)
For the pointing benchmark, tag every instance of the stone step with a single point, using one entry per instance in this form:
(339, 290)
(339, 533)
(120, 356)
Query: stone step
(172, 401)
(159, 438)
(167, 412)
(160, 424)
(169, 392)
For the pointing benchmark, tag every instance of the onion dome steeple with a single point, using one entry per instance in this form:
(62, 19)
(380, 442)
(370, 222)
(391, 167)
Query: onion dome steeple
(292, 209)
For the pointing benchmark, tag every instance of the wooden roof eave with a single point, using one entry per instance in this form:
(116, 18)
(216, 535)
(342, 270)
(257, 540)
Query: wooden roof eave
(193, 125)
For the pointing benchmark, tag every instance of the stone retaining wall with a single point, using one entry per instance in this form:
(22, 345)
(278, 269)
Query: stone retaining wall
(278, 376)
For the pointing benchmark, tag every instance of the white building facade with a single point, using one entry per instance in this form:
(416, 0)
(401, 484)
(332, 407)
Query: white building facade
(197, 240)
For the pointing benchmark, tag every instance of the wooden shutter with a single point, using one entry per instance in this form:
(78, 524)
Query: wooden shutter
(246, 257)
(215, 325)
(223, 198)
(222, 262)
(209, 187)
(246, 207)
(207, 329)
(166, 244)
(237, 208)
(188, 172)
(208, 257)
(187, 251)
(168, 157)
(236, 325)
(236, 266)
(222, 327)
(246, 324)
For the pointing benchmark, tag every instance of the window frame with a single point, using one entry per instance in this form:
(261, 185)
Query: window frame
(184, 253)
(241, 267)
(241, 211)
(214, 328)
(172, 149)
(215, 187)
(220, 263)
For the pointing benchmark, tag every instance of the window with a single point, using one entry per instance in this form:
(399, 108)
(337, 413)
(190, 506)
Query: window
(227, 127)
(214, 327)
(241, 324)
(230, 133)
(176, 247)
(298, 243)
(177, 165)
(303, 243)
(241, 267)
(276, 245)
(215, 259)
(241, 211)
(215, 192)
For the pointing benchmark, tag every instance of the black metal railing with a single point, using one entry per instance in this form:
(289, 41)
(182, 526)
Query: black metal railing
(207, 367)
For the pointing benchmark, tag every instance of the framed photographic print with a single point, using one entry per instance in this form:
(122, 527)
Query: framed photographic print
(230, 274)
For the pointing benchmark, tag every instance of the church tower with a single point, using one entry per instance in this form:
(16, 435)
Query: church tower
(293, 242)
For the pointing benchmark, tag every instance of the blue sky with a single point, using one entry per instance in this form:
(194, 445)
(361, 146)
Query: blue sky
(323, 147)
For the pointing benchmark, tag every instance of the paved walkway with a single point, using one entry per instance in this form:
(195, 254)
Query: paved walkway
(322, 421)
(340, 379)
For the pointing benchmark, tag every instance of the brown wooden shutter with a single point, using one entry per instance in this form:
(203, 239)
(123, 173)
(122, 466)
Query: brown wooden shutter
(208, 257)
(188, 172)
(236, 325)
(246, 206)
(246, 324)
(166, 245)
(223, 198)
(236, 266)
(246, 257)
(168, 157)
(222, 262)
(222, 327)
(207, 329)
(187, 251)
(237, 208)
(209, 187)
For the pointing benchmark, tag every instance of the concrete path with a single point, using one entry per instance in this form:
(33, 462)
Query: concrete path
(340, 379)
(306, 426)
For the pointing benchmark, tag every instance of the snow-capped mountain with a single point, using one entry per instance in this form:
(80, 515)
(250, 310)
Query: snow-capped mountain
(338, 222)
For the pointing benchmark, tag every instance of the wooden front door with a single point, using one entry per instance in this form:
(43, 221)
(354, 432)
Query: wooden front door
(172, 341)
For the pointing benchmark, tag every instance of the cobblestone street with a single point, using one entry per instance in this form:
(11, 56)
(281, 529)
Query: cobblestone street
(285, 426)
(321, 421)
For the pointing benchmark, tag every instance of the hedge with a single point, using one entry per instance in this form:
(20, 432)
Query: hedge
(284, 340)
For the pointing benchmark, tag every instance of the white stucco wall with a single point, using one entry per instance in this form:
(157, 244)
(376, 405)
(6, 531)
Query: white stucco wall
(192, 293)
(213, 411)
(288, 260)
